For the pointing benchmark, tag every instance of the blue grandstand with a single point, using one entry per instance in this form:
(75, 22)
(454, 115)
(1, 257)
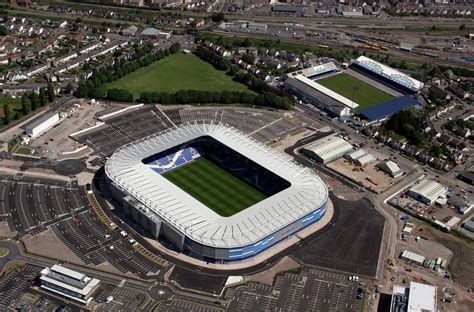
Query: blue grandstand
(385, 109)
(174, 158)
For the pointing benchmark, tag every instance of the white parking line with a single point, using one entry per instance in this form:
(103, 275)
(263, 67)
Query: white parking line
(22, 209)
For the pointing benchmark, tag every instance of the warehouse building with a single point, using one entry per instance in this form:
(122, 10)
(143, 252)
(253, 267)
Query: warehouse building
(153, 33)
(390, 167)
(361, 157)
(365, 160)
(327, 149)
(68, 283)
(42, 124)
(427, 191)
(417, 298)
(412, 257)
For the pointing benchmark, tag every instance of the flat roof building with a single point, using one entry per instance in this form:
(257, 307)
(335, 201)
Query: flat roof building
(417, 298)
(327, 149)
(421, 298)
(42, 124)
(68, 283)
(427, 191)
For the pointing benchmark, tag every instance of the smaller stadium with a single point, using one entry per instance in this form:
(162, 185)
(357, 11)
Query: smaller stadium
(213, 192)
(366, 87)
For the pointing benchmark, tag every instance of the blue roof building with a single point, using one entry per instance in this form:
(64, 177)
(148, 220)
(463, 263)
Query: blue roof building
(386, 109)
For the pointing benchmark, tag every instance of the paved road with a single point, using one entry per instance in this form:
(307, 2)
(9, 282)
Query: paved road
(14, 252)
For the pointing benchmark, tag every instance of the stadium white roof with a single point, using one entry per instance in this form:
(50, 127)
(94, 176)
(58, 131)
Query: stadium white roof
(307, 192)
(389, 73)
(326, 91)
(422, 298)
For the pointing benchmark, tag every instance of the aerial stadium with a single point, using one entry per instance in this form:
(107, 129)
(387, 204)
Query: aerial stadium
(213, 192)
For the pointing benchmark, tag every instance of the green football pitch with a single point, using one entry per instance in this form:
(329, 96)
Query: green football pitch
(216, 188)
(355, 90)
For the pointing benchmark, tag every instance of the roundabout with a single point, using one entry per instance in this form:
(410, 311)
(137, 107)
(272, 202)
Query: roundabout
(70, 167)
(4, 252)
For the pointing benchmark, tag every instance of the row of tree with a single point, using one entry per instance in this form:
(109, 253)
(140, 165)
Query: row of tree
(93, 87)
(268, 99)
(30, 101)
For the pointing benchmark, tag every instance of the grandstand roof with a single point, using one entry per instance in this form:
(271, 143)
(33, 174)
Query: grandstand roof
(389, 73)
(315, 70)
(307, 192)
(326, 91)
(388, 108)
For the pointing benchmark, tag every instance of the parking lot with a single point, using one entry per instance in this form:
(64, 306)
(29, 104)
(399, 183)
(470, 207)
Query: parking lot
(94, 243)
(124, 299)
(15, 284)
(31, 203)
(178, 305)
(312, 290)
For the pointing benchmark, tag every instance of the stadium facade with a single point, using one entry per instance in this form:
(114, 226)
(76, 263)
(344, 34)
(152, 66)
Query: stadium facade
(297, 197)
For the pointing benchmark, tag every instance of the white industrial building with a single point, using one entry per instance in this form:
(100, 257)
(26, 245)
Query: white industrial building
(412, 257)
(390, 167)
(361, 157)
(42, 124)
(418, 298)
(327, 149)
(365, 160)
(427, 191)
(68, 283)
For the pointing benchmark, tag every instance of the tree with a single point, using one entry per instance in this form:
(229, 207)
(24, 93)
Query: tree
(7, 113)
(68, 88)
(462, 27)
(50, 92)
(217, 17)
(25, 105)
(3, 31)
(43, 100)
(34, 101)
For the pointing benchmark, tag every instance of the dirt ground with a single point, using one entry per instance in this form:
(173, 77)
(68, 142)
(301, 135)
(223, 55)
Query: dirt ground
(344, 167)
(462, 261)
(427, 248)
(47, 244)
(268, 276)
(5, 231)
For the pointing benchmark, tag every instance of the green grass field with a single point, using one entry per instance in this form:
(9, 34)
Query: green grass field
(214, 187)
(13, 103)
(355, 90)
(177, 72)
